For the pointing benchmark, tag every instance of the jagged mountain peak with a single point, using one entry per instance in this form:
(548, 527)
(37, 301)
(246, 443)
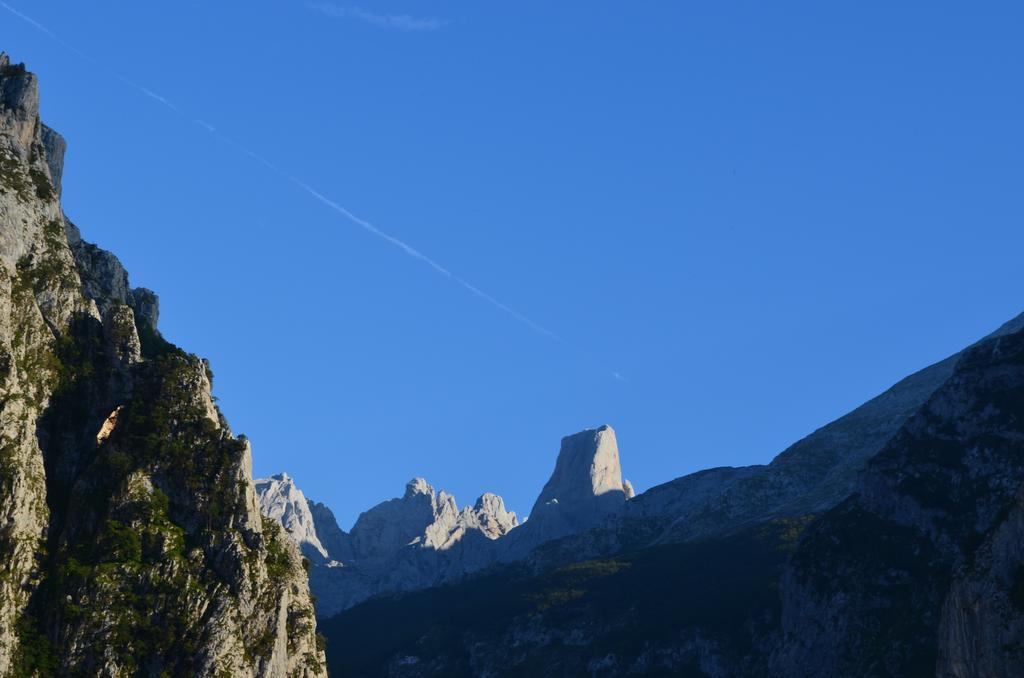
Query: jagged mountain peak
(489, 501)
(390, 543)
(283, 501)
(418, 486)
(427, 518)
(19, 99)
(491, 516)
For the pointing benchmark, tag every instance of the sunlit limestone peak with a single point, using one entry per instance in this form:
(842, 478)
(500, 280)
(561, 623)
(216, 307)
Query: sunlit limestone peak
(281, 500)
(585, 487)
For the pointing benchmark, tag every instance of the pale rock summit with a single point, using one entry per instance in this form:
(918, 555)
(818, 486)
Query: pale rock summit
(420, 517)
(585, 489)
(282, 501)
(434, 519)
(490, 516)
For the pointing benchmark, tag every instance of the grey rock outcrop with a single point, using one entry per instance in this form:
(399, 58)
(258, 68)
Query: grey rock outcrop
(982, 620)
(19, 94)
(55, 146)
(131, 541)
(105, 280)
(146, 305)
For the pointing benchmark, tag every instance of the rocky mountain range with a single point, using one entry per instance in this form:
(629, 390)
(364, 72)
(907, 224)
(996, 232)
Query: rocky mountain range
(888, 543)
(418, 540)
(807, 566)
(131, 541)
(424, 539)
(583, 512)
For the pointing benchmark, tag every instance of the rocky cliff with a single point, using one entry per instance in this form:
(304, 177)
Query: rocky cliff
(131, 541)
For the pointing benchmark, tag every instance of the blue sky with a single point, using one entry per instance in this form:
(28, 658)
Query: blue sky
(758, 214)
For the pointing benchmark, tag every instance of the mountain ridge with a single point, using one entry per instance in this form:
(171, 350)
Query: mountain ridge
(916, 570)
(808, 477)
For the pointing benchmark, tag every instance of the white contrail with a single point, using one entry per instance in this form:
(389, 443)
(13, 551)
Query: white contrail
(366, 225)
(44, 29)
(416, 254)
(343, 211)
(153, 95)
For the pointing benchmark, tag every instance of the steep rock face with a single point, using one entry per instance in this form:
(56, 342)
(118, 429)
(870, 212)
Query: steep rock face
(130, 535)
(38, 293)
(334, 539)
(586, 482)
(981, 626)
(55, 146)
(886, 582)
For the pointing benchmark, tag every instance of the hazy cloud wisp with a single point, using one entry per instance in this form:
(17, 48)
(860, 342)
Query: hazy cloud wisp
(401, 22)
